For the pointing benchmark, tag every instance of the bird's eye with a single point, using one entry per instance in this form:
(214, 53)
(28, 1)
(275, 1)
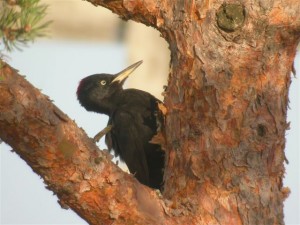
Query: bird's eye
(102, 82)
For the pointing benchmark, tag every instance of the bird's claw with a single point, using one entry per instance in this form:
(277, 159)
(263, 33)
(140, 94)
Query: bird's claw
(102, 133)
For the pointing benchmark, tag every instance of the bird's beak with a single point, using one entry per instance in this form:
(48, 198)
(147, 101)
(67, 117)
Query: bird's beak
(121, 76)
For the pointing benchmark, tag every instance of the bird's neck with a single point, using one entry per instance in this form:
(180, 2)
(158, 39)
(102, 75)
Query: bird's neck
(109, 105)
(105, 107)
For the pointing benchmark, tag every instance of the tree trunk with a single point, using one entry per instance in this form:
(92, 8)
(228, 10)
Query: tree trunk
(225, 125)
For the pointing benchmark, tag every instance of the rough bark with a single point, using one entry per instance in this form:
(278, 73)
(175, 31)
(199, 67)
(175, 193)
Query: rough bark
(226, 105)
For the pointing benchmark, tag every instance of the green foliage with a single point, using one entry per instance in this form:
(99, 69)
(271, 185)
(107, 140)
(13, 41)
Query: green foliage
(20, 22)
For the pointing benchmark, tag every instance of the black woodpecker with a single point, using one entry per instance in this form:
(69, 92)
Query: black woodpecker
(133, 116)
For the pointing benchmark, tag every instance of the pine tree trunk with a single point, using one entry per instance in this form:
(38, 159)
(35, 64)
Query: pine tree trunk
(226, 102)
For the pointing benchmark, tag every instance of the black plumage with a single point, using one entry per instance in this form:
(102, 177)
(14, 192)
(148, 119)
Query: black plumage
(133, 116)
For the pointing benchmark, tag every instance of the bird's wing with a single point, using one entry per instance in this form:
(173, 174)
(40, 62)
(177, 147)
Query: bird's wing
(128, 141)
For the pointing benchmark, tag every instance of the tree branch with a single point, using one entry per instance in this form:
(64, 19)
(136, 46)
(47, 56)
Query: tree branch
(226, 98)
(71, 165)
(148, 12)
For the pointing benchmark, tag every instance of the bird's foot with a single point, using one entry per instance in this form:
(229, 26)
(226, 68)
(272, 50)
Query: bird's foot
(102, 133)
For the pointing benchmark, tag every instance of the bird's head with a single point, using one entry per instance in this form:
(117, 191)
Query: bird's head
(94, 92)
